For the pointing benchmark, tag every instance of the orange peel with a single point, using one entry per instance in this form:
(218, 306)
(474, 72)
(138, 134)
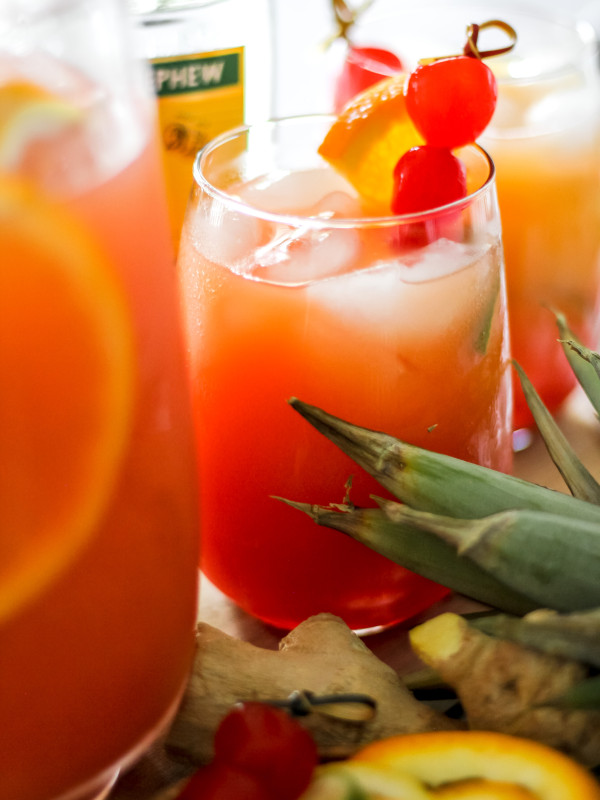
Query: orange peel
(368, 137)
(439, 759)
(66, 369)
(480, 789)
(349, 780)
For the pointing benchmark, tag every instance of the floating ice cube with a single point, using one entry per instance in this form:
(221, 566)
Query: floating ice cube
(442, 257)
(304, 254)
(223, 235)
(361, 296)
(574, 112)
(337, 205)
(292, 192)
(419, 300)
(307, 252)
(542, 107)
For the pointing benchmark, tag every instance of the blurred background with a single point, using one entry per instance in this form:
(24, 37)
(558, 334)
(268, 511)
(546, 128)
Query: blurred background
(304, 65)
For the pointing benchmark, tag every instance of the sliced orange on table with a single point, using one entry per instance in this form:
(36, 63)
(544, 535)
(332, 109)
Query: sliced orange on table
(368, 137)
(66, 378)
(444, 757)
(351, 780)
(455, 765)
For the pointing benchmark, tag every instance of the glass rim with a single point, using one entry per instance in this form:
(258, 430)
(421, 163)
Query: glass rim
(297, 220)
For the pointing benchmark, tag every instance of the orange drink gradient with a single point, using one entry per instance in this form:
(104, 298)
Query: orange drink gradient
(95, 656)
(552, 259)
(336, 313)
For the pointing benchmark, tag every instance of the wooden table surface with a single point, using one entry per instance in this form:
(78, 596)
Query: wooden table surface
(146, 781)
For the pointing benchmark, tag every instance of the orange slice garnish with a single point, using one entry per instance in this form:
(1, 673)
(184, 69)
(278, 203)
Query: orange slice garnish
(66, 371)
(368, 137)
(29, 113)
(441, 758)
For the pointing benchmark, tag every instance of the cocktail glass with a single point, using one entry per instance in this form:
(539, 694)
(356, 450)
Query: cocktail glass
(395, 323)
(98, 498)
(545, 142)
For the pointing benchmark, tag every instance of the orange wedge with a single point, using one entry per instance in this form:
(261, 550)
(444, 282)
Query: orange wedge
(368, 137)
(442, 758)
(66, 372)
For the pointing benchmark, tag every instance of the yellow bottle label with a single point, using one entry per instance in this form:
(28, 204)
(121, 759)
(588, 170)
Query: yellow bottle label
(199, 96)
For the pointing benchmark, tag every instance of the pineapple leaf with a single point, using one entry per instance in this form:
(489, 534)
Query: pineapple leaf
(585, 363)
(579, 480)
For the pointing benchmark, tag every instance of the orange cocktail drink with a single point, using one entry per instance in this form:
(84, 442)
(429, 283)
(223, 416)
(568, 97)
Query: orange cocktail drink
(545, 142)
(98, 534)
(553, 261)
(394, 323)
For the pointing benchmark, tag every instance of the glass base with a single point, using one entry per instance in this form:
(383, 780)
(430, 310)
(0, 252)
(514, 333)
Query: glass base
(362, 632)
(100, 787)
(107, 789)
(97, 789)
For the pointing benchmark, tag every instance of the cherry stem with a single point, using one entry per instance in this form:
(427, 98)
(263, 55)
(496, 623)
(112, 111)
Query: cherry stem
(473, 31)
(471, 47)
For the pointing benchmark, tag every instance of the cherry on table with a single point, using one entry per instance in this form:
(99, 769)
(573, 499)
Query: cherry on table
(269, 744)
(219, 781)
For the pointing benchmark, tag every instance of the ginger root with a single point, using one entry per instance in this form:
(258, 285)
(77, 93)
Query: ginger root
(322, 655)
(503, 686)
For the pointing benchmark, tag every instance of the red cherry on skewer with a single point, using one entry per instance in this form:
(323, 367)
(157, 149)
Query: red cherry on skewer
(427, 177)
(452, 100)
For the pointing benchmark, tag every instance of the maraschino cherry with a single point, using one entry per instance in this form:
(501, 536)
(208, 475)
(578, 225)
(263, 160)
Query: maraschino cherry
(427, 177)
(451, 101)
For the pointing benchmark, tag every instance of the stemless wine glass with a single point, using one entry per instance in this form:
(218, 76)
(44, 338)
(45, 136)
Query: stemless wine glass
(544, 139)
(98, 497)
(394, 323)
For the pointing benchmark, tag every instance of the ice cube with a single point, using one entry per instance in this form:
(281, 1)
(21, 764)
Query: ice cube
(225, 236)
(573, 112)
(440, 258)
(362, 296)
(292, 192)
(337, 205)
(303, 254)
(417, 300)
